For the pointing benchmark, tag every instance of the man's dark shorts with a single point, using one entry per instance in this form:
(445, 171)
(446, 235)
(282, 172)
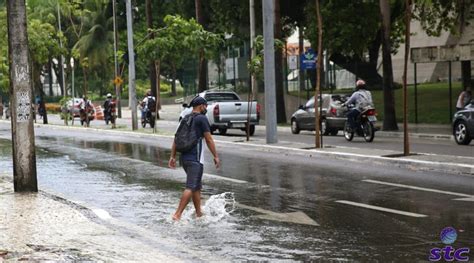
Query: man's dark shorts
(194, 172)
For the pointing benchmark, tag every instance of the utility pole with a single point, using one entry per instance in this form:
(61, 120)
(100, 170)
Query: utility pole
(131, 67)
(21, 90)
(269, 70)
(318, 78)
(406, 143)
(116, 74)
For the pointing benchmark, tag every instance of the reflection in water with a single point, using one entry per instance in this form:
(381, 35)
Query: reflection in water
(133, 186)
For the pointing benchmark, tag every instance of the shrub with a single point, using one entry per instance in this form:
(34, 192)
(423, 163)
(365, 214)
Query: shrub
(53, 107)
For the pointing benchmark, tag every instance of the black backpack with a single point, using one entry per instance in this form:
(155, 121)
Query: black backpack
(185, 137)
(151, 104)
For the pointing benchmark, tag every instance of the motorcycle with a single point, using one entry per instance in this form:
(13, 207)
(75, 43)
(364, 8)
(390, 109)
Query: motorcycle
(365, 122)
(109, 114)
(86, 115)
(149, 118)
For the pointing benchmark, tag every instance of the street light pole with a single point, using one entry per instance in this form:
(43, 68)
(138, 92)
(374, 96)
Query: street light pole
(21, 90)
(269, 70)
(131, 67)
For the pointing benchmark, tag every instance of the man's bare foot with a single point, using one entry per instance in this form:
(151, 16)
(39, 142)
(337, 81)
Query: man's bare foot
(199, 214)
(176, 217)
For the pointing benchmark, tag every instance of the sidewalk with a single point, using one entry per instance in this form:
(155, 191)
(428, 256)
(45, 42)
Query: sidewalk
(43, 227)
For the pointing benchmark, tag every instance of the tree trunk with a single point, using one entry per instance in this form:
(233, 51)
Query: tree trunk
(301, 52)
(152, 69)
(389, 120)
(173, 85)
(466, 74)
(280, 94)
(158, 92)
(50, 75)
(37, 86)
(202, 86)
(84, 84)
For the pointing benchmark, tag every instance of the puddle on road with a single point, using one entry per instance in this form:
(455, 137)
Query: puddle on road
(130, 184)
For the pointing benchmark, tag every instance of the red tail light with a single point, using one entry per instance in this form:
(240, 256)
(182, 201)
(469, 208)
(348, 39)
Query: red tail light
(333, 111)
(371, 112)
(258, 111)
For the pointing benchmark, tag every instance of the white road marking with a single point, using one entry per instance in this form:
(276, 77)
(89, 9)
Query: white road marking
(379, 208)
(419, 188)
(468, 199)
(292, 217)
(102, 214)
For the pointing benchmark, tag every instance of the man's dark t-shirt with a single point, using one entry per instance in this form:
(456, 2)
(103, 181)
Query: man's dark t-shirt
(200, 125)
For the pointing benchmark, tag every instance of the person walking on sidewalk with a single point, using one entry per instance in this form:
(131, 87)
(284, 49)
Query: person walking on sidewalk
(463, 99)
(192, 160)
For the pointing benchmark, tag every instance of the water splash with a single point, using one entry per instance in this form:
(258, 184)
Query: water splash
(216, 208)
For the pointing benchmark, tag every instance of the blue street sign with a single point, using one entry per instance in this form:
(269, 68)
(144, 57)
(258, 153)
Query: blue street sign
(308, 59)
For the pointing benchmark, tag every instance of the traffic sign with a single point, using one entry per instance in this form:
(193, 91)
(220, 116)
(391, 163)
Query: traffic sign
(118, 81)
(293, 62)
(308, 59)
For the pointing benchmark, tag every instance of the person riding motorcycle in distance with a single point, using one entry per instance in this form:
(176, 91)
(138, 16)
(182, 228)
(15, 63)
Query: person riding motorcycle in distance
(109, 107)
(361, 99)
(144, 103)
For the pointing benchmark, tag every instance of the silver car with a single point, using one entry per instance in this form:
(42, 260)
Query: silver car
(333, 115)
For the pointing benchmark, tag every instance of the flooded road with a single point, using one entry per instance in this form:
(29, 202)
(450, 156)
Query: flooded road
(251, 202)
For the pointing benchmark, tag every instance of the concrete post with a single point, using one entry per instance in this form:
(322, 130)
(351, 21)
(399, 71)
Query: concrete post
(21, 91)
(131, 67)
(269, 70)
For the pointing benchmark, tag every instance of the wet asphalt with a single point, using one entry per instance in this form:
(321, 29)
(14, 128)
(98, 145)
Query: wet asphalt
(127, 177)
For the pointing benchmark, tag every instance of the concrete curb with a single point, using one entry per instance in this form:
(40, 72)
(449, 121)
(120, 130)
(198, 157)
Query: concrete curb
(402, 162)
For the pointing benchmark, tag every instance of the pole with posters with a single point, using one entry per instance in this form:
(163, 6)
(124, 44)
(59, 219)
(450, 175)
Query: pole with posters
(21, 90)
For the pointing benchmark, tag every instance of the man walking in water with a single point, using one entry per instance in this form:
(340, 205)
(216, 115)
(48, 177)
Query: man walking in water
(192, 160)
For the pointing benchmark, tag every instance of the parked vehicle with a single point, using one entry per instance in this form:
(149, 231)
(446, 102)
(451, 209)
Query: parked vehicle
(332, 115)
(227, 111)
(463, 124)
(365, 126)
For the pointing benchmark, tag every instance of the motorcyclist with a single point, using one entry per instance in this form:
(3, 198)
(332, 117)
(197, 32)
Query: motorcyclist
(361, 99)
(85, 106)
(146, 104)
(109, 107)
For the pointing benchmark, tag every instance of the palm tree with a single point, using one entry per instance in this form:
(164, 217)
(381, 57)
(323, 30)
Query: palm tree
(95, 45)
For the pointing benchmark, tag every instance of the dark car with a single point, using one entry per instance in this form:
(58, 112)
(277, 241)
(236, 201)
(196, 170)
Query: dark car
(463, 124)
(333, 115)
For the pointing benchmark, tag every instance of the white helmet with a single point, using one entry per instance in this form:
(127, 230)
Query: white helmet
(109, 95)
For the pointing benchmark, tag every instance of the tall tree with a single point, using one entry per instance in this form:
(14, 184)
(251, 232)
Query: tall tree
(152, 69)
(202, 60)
(390, 120)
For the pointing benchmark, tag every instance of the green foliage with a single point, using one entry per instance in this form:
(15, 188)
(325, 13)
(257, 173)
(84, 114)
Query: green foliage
(255, 65)
(177, 35)
(43, 41)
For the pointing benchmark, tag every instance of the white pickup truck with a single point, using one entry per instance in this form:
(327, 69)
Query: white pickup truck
(226, 110)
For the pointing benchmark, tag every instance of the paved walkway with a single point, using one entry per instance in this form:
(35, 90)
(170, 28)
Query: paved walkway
(44, 227)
